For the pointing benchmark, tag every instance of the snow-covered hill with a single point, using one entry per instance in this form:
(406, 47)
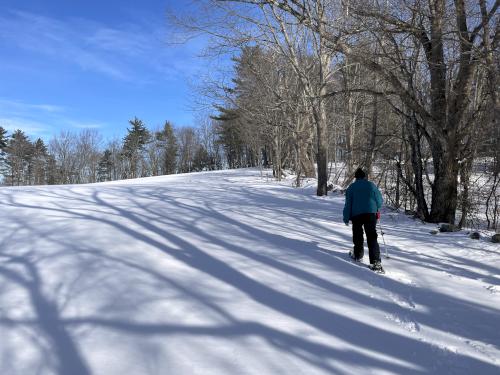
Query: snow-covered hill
(230, 273)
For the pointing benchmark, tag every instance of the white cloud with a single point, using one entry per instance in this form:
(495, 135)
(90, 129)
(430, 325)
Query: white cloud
(85, 124)
(56, 39)
(136, 53)
(12, 106)
(30, 127)
(48, 107)
(40, 120)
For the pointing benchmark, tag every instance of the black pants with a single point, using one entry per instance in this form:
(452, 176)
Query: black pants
(369, 222)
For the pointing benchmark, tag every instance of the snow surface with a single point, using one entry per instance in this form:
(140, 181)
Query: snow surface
(231, 273)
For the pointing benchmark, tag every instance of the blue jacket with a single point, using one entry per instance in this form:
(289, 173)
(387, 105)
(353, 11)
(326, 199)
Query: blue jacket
(361, 197)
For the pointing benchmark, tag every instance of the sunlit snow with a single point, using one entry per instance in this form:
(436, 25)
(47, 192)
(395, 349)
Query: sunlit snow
(232, 273)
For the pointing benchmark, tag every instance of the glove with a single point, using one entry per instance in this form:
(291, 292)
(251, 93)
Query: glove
(378, 215)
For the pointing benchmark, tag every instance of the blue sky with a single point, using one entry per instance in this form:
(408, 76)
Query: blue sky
(69, 65)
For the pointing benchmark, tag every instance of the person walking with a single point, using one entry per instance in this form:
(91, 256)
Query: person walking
(363, 201)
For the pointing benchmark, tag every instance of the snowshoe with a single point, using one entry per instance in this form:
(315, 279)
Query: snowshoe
(353, 257)
(377, 267)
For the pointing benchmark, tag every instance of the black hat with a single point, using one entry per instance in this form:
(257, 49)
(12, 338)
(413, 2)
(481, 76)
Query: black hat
(359, 173)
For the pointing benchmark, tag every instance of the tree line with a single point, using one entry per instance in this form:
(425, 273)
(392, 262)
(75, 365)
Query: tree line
(407, 90)
(75, 158)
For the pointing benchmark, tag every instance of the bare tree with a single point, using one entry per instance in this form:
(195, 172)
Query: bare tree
(63, 148)
(88, 154)
(450, 38)
(238, 23)
(187, 139)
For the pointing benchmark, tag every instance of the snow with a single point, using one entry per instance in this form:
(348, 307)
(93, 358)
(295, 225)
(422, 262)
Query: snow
(232, 273)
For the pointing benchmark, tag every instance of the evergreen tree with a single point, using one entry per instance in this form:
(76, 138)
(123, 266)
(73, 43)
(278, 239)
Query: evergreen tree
(201, 160)
(105, 167)
(3, 145)
(52, 171)
(138, 136)
(3, 138)
(170, 148)
(19, 157)
(230, 136)
(39, 162)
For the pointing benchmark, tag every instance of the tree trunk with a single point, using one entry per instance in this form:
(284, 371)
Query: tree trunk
(277, 160)
(322, 152)
(307, 164)
(370, 153)
(417, 165)
(465, 172)
(298, 164)
(351, 126)
(445, 186)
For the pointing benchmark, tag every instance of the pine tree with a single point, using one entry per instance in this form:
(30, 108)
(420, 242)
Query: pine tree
(230, 136)
(105, 167)
(52, 172)
(39, 162)
(201, 160)
(3, 145)
(19, 157)
(170, 149)
(3, 138)
(133, 145)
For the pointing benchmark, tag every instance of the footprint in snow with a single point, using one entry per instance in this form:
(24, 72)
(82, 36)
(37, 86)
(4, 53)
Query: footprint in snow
(401, 277)
(485, 349)
(404, 322)
(494, 289)
(401, 301)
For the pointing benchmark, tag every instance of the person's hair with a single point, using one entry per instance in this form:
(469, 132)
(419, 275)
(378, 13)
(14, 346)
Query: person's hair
(359, 173)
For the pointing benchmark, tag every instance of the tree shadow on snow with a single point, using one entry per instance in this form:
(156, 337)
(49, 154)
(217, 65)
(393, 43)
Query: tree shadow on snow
(151, 222)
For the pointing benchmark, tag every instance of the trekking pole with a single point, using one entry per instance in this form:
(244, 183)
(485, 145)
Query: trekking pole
(383, 239)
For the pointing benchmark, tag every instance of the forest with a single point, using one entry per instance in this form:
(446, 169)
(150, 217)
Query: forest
(407, 90)
(85, 157)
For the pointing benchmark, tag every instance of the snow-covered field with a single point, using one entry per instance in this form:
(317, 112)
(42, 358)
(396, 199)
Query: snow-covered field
(228, 273)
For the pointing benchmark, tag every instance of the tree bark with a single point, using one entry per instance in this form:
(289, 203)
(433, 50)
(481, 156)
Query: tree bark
(445, 186)
(417, 165)
(322, 144)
